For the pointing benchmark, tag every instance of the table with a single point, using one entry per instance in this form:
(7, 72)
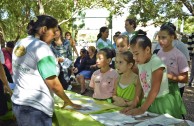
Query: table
(71, 117)
(100, 113)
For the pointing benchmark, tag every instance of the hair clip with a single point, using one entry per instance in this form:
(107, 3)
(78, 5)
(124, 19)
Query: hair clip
(140, 34)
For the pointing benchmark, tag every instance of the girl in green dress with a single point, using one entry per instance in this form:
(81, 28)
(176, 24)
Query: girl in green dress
(154, 82)
(125, 88)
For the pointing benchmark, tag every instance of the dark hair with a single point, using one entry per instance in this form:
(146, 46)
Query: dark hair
(117, 33)
(10, 44)
(61, 32)
(124, 37)
(169, 24)
(132, 22)
(109, 53)
(102, 29)
(29, 27)
(128, 57)
(170, 27)
(84, 51)
(42, 20)
(142, 40)
(67, 33)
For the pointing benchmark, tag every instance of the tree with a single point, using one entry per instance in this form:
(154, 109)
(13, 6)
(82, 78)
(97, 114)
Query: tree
(14, 16)
(160, 11)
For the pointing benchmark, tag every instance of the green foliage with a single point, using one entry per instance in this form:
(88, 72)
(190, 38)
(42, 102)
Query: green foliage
(15, 15)
(160, 11)
(189, 26)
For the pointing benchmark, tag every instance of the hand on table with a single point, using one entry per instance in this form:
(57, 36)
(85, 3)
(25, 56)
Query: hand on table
(75, 106)
(118, 101)
(131, 105)
(136, 111)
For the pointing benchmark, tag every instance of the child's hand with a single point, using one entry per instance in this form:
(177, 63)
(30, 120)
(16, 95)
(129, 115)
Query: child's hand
(136, 111)
(119, 101)
(131, 105)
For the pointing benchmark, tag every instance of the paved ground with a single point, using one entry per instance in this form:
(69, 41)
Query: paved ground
(188, 99)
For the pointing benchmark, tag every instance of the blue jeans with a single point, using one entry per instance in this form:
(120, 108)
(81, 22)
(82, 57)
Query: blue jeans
(29, 116)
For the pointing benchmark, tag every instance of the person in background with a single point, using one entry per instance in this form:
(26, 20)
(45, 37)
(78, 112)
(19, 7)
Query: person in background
(62, 50)
(7, 52)
(102, 39)
(103, 81)
(72, 42)
(89, 66)
(124, 91)
(79, 62)
(191, 54)
(35, 72)
(122, 43)
(154, 82)
(130, 26)
(115, 38)
(7, 72)
(4, 88)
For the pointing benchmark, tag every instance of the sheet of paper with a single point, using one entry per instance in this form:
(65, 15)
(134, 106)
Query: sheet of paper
(113, 118)
(66, 63)
(86, 102)
(164, 120)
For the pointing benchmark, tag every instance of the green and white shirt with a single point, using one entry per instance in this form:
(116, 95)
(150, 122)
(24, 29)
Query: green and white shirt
(145, 76)
(100, 44)
(33, 62)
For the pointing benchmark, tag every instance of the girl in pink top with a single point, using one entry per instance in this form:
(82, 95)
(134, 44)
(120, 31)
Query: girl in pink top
(104, 80)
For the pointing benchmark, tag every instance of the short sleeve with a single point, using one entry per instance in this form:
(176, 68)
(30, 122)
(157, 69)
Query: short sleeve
(183, 64)
(100, 45)
(92, 84)
(47, 67)
(157, 63)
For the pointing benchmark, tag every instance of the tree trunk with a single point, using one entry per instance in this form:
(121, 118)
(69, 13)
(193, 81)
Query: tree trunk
(40, 7)
(189, 6)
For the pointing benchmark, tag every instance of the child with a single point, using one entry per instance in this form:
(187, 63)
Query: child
(154, 81)
(122, 43)
(125, 88)
(174, 59)
(176, 62)
(104, 80)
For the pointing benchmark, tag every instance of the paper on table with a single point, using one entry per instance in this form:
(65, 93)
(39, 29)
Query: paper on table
(165, 120)
(66, 63)
(113, 118)
(86, 102)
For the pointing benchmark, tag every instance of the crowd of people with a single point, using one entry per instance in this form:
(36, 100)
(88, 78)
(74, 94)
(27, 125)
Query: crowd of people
(125, 73)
